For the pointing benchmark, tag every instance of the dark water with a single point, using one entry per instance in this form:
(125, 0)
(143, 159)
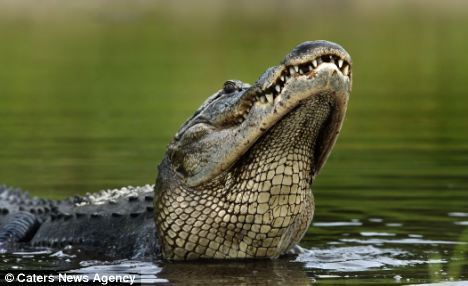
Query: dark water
(91, 93)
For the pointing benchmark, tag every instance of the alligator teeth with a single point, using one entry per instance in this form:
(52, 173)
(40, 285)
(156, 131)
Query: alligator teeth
(278, 88)
(314, 63)
(336, 60)
(277, 99)
(340, 63)
(269, 97)
(346, 70)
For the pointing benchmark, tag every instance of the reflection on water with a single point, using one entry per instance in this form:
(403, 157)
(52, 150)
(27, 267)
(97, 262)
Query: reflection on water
(458, 283)
(355, 258)
(144, 272)
(263, 272)
(397, 257)
(401, 241)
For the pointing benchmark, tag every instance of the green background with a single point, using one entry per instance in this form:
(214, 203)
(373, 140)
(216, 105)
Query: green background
(92, 91)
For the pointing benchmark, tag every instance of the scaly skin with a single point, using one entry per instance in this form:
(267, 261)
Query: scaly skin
(235, 180)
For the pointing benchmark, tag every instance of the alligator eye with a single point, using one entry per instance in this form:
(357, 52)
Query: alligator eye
(230, 86)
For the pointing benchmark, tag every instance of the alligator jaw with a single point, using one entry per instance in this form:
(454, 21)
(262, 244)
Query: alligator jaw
(310, 69)
(298, 87)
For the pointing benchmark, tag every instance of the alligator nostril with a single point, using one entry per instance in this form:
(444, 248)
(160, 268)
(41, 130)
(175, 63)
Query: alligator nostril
(230, 86)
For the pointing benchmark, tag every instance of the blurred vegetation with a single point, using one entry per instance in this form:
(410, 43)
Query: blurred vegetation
(92, 91)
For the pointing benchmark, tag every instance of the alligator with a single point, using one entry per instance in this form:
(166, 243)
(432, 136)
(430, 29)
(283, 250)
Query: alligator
(235, 181)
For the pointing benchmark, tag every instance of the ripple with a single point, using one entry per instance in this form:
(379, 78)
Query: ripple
(145, 272)
(461, 222)
(368, 233)
(327, 276)
(415, 235)
(458, 214)
(337, 223)
(400, 241)
(355, 258)
(32, 253)
(451, 283)
(61, 254)
(394, 224)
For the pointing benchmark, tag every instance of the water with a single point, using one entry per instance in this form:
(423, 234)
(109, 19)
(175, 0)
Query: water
(91, 94)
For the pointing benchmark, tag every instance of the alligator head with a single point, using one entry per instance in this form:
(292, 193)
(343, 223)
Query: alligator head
(235, 181)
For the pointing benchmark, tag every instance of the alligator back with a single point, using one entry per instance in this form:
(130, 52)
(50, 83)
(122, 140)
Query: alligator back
(113, 223)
